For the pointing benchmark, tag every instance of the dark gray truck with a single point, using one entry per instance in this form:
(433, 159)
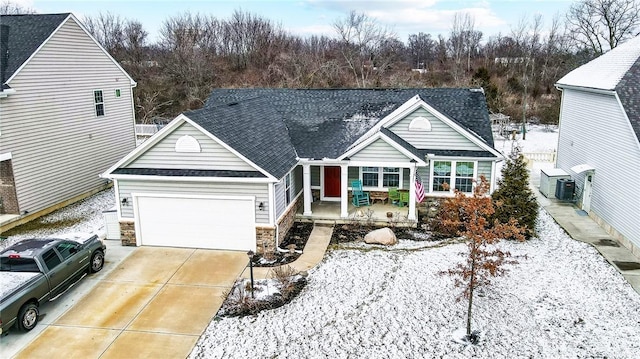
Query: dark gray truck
(35, 271)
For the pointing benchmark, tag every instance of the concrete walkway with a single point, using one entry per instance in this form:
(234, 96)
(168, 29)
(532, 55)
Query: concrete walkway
(312, 254)
(582, 228)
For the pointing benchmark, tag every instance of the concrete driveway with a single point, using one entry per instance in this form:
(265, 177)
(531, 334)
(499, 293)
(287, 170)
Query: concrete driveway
(155, 304)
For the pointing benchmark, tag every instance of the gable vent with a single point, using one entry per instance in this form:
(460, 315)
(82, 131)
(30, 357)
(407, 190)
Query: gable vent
(187, 143)
(420, 124)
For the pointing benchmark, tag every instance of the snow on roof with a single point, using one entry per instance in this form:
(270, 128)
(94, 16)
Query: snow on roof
(606, 71)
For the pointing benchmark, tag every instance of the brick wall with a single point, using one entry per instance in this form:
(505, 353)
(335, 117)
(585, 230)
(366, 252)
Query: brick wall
(266, 236)
(128, 233)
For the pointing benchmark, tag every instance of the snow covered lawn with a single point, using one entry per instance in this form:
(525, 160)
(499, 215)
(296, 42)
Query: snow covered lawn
(562, 300)
(85, 216)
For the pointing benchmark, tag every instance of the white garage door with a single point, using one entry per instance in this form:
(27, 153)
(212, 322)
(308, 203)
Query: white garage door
(215, 223)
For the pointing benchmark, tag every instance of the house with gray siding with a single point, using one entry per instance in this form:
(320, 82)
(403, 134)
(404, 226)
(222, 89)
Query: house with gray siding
(66, 114)
(238, 172)
(599, 139)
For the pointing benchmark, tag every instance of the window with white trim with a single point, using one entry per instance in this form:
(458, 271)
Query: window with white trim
(287, 188)
(441, 176)
(391, 177)
(370, 176)
(446, 173)
(381, 177)
(98, 100)
(464, 176)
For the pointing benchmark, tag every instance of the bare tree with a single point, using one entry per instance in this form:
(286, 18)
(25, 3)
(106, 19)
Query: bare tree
(422, 48)
(600, 25)
(362, 42)
(464, 41)
(11, 8)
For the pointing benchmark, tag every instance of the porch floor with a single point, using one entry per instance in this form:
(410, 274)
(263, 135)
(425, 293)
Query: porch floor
(330, 212)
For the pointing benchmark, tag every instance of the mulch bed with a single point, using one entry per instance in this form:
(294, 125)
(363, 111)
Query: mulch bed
(298, 235)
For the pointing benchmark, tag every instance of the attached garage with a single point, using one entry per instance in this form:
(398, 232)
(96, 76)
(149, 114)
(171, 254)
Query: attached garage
(212, 222)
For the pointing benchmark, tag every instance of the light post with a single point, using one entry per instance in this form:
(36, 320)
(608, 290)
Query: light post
(251, 254)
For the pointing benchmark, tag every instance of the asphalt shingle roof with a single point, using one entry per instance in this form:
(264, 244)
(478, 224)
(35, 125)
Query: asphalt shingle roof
(321, 123)
(254, 129)
(187, 172)
(628, 90)
(25, 34)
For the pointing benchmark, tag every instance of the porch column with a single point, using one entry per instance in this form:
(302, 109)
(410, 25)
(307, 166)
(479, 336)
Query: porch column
(344, 195)
(306, 187)
(412, 193)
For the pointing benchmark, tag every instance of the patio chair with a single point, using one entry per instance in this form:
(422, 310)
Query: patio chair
(360, 197)
(404, 199)
(394, 195)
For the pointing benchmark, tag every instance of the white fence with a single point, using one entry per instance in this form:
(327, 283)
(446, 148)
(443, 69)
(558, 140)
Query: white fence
(146, 130)
(540, 156)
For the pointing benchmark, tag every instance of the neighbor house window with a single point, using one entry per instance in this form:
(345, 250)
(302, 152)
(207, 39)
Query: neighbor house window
(464, 176)
(441, 176)
(118, 93)
(287, 188)
(370, 176)
(456, 175)
(99, 102)
(391, 177)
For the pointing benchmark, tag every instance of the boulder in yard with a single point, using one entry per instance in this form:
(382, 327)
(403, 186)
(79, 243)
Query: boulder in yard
(381, 236)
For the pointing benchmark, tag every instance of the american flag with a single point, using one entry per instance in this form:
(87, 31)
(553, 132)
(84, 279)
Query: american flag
(419, 188)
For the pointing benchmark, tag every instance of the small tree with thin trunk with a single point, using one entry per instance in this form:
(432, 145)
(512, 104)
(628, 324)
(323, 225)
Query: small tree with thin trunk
(470, 216)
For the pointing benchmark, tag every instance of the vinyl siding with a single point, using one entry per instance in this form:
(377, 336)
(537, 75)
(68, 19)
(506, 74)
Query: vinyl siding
(259, 190)
(595, 131)
(379, 151)
(59, 146)
(440, 137)
(296, 188)
(484, 168)
(280, 199)
(213, 156)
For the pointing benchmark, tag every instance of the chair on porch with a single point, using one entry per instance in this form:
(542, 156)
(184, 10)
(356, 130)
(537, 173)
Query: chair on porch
(404, 199)
(360, 197)
(394, 195)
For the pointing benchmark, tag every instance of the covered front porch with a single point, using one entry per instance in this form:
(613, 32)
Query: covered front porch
(376, 213)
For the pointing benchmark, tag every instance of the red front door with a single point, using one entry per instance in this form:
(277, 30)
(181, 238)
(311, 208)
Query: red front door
(332, 181)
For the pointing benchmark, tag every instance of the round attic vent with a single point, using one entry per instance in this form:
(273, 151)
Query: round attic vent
(420, 124)
(187, 143)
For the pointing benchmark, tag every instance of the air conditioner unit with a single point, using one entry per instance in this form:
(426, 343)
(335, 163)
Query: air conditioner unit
(565, 188)
(549, 179)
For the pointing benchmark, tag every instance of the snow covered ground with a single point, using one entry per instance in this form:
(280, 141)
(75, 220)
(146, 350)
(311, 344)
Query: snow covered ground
(562, 300)
(87, 214)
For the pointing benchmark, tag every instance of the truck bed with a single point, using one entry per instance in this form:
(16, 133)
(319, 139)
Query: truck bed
(12, 281)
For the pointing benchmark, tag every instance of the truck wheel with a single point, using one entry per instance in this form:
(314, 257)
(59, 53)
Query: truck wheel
(97, 261)
(27, 317)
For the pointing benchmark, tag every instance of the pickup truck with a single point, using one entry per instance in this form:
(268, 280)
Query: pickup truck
(35, 271)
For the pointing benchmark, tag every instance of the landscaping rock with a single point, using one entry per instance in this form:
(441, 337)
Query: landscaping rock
(383, 236)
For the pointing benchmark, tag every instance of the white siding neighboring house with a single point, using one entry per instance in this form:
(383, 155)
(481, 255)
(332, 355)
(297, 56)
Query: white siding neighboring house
(254, 160)
(599, 139)
(66, 114)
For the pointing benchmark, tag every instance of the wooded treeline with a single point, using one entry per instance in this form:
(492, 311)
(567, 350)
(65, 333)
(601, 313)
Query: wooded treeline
(195, 53)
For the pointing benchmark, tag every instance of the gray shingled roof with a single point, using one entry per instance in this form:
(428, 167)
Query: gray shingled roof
(271, 126)
(254, 129)
(628, 90)
(187, 172)
(26, 34)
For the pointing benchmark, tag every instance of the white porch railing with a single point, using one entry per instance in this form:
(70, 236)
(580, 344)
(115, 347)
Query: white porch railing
(146, 130)
(540, 156)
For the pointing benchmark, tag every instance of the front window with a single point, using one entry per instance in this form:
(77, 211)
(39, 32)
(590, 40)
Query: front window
(99, 102)
(441, 176)
(391, 177)
(464, 177)
(370, 176)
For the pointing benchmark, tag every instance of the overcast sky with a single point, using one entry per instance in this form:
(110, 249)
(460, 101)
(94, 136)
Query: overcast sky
(305, 17)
